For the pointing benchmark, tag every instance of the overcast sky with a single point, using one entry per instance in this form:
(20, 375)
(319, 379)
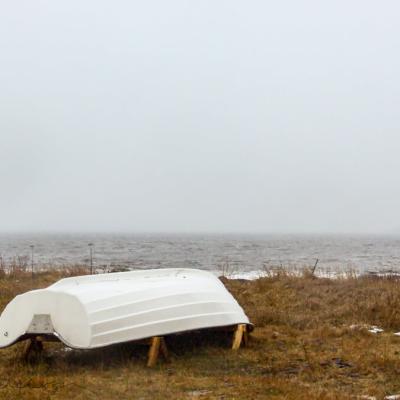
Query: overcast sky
(200, 116)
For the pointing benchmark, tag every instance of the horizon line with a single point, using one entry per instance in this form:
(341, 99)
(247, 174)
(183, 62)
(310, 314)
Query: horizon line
(194, 233)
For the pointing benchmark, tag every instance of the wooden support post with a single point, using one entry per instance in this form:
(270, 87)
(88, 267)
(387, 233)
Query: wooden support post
(157, 344)
(153, 352)
(34, 347)
(164, 349)
(245, 336)
(240, 336)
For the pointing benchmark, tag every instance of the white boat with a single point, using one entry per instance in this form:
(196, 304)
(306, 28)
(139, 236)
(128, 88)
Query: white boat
(99, 310)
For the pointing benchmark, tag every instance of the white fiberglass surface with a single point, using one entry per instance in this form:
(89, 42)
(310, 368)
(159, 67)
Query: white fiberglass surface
(98, 310)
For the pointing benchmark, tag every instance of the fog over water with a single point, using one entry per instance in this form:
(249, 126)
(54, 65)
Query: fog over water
(228, 116)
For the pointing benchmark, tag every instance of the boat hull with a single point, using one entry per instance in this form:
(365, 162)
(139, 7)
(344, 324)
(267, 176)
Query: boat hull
(99, 310)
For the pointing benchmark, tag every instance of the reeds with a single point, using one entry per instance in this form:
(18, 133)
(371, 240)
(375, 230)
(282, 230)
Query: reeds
(311, 341)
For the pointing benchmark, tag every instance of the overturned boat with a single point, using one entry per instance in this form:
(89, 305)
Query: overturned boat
(91, 311)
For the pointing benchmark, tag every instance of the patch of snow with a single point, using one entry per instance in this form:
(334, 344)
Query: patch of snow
(375, 329)
(247, 275)
(250, 275)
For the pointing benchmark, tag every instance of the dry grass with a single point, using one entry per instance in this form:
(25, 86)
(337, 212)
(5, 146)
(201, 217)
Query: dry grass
(303, 348)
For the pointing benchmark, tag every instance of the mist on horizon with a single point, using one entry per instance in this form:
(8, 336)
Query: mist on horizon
(258, 117)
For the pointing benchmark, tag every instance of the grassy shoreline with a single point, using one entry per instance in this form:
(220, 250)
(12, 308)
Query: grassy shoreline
(311, 342)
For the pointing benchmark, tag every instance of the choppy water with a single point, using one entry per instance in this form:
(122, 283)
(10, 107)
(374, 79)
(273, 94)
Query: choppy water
(243, 253)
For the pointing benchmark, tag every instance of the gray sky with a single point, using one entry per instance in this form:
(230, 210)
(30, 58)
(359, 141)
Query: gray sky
(219, 116)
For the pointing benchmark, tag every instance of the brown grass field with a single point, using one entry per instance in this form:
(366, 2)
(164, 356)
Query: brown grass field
(310, 342)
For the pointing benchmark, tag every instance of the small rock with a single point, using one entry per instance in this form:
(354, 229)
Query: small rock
(393, 397)
(341, 363)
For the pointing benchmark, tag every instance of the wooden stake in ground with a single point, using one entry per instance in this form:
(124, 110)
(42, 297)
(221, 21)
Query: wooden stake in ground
(240, 336)
(157, 344)
(315, 266)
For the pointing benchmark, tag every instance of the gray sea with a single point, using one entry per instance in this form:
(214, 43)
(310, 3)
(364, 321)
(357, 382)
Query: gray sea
(242, 254)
